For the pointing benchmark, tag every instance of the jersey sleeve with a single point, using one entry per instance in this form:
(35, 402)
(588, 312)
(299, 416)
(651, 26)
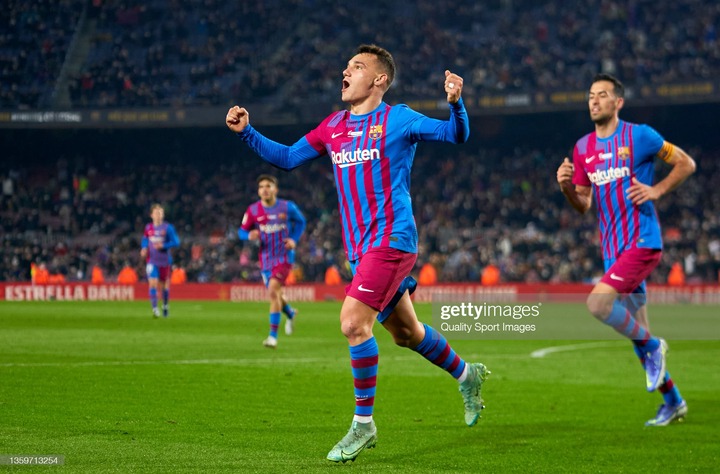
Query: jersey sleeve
(296, 221)
(317, 137)
(655, 144)
(279, 155)
(248, 223)
(648, 142)
(580, 178)
(171, 239)
(422, 128)
(146, 238)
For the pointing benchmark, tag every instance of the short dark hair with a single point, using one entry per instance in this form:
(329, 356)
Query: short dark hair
(387, 63)
(267, 177)
(618, 86)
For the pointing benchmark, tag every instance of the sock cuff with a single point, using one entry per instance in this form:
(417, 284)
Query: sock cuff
(427, 340)
(368, 348)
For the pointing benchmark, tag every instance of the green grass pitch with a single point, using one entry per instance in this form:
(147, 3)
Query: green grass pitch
(112, 390)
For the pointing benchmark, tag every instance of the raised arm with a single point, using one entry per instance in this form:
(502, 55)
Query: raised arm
(283, 156)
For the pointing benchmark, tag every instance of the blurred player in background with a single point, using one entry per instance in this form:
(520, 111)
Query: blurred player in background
(159, 237)
(371, 147)
(616, 164)
(278, 224)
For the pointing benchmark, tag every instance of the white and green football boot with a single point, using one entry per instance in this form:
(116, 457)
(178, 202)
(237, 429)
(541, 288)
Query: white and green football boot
(361, 436)
(470, 390)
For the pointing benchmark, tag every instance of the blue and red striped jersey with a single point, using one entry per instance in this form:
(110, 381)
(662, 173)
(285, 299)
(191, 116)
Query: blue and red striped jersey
(164, 235)
(275, 223)
(609, 165)
(372, 156)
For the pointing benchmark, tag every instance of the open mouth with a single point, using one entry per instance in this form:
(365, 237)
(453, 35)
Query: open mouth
(345, 84)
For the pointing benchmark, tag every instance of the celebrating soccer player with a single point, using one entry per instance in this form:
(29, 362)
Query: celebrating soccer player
(616, 163)
(278, 224)
(159, 237)
(371, 147)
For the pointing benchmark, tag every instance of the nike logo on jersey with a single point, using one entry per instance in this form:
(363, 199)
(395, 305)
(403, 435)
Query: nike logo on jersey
(360, 288)
(335, 135)
(348, 164)
(615, 277)
(588, 160)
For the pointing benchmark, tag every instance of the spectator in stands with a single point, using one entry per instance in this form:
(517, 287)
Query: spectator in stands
(178, 276)
(332, 276)
(676, 277)
(97, 275)
(427, 275)
(128, 275)
(490, 275)
(42, 275)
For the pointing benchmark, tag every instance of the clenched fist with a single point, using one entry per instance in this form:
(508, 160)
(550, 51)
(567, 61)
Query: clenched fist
(237, 119)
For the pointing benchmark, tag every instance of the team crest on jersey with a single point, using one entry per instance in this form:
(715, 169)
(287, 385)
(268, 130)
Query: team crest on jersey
(623, 152)
(283, 216)
(375, 132)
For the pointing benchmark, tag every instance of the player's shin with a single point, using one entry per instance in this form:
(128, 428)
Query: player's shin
(364, 363)
(435, 348)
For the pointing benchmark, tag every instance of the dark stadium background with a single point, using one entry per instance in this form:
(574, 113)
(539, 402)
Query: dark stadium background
(132, 96)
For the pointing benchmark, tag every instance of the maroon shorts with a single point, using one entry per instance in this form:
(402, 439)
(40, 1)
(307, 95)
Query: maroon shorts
(279, 272)
(378, 275)
(156, 271)
(631, 268)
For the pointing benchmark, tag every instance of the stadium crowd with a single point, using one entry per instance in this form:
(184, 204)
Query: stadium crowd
(81, 213)
(183, 53)
(486, 206)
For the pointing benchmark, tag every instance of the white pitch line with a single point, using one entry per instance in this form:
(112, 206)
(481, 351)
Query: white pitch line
(244, 362)
(540, 353)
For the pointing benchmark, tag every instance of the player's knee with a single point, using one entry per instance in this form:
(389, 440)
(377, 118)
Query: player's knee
(403, 337)
(355, 332)
(274, 292)
(599, 307)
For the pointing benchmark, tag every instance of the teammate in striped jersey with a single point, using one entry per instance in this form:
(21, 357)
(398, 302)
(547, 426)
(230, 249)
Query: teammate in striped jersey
(371, 148)
(278, 224)
(615, 163)
(158, 239)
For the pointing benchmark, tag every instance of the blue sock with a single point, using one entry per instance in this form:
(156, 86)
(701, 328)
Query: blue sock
(435, 348)
(287, 309)
(670, 393)
(640, 353)
(166, 296)
(153, 297)
(621, 320)
(364, 362)
(274, 323)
